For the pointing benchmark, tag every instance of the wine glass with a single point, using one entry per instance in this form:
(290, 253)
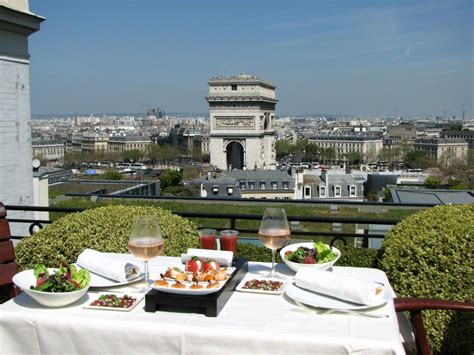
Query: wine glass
(146, 241)
(274, 231)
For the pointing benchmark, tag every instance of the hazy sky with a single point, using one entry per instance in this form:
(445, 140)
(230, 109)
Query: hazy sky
(357, 57)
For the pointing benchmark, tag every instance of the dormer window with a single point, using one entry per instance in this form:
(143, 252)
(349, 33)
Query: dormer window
(352, 190)
(251, 185)
(274, 185)
(286, 185)
(337, 191)
(263, 185)
(322, 191)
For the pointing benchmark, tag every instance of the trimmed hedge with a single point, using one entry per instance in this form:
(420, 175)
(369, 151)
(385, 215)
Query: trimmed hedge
(105, 229)
(429, 255)
(350, 256)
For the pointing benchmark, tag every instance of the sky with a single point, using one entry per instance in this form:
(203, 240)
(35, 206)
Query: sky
(360, 57)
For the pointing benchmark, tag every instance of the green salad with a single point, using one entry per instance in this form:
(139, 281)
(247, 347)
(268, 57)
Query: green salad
(66, 279)
(320, 253)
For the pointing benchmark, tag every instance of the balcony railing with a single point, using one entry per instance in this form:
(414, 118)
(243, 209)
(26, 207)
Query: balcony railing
(233, 219)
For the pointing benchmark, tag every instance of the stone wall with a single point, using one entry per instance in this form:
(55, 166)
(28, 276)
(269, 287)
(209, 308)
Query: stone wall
(16, 175)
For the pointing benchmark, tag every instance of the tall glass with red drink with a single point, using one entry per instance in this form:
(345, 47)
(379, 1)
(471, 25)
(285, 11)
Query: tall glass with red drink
(229, 240)
(207, 238)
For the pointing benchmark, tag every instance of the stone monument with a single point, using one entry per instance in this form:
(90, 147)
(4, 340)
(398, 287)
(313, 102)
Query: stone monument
(242, 115)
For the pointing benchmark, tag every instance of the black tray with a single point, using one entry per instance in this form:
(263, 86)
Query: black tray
(210, 304)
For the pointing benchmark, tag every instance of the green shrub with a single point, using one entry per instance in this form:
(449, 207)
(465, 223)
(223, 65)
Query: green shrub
(254, 252)
(357, 257)
(350, 256)
(429, 255)
(105, 229)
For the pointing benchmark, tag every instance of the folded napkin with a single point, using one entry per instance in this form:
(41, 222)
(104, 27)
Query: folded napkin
(223, 257)
(339, 286)
(107, 266)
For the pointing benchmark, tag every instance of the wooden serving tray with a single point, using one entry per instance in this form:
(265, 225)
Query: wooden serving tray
(210, 304)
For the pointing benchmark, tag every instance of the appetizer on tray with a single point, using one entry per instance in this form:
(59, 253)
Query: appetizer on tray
(197, 270)
(199, 276)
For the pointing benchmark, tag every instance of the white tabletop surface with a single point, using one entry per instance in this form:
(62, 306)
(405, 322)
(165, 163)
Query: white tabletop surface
(248, 324)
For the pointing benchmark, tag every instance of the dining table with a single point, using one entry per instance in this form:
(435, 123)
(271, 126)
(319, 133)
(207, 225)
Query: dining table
(249, 323)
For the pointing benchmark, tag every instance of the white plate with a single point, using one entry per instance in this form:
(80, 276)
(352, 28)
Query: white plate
(187, 290)
(296, 266)
(249, 277)
(98, 281)
(139, 298)
(326, 302)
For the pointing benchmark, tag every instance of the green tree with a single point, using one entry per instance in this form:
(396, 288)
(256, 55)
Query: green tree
(387, 195)
(112, 175)
(354, 158)
(311, 152)
(328, 154)
(432, 182)
(283, 148)
(455, 184)
(170, 178)
(132, 155)
(419, 160)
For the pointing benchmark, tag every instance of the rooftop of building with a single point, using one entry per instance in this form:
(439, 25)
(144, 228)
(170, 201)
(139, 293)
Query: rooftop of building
(129, 138)
(436, 140)
(241, 79)
(432, 196)
(346, 136)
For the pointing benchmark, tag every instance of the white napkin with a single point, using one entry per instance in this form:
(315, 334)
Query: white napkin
(223, 257)
(107, 266)
(339, 286)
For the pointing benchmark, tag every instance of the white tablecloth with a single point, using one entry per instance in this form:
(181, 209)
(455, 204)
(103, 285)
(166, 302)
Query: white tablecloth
(248, 324)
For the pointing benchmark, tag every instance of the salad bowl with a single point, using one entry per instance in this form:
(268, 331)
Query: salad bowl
(27, 278)
(295, 266)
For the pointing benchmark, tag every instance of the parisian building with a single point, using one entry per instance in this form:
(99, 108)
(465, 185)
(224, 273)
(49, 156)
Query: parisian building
(17, 23)
(368, 146)
(446, 151)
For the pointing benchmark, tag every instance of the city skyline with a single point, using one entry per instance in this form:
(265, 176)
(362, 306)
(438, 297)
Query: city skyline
(364, 58)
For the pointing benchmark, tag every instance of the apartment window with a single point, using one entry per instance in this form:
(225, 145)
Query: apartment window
(337, 191)
(263, 185)
(234, 87)
(352, 190)
(286, 185)
(230, 190)
(322, 191)
(251, 185)
(307, 191)
(215, 190)
(274, 185)
(242, 185)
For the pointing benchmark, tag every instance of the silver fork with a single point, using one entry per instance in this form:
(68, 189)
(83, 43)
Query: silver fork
(323, 311)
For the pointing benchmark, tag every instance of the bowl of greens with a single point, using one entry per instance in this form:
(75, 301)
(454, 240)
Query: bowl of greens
(316, 255)
(54, 287)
